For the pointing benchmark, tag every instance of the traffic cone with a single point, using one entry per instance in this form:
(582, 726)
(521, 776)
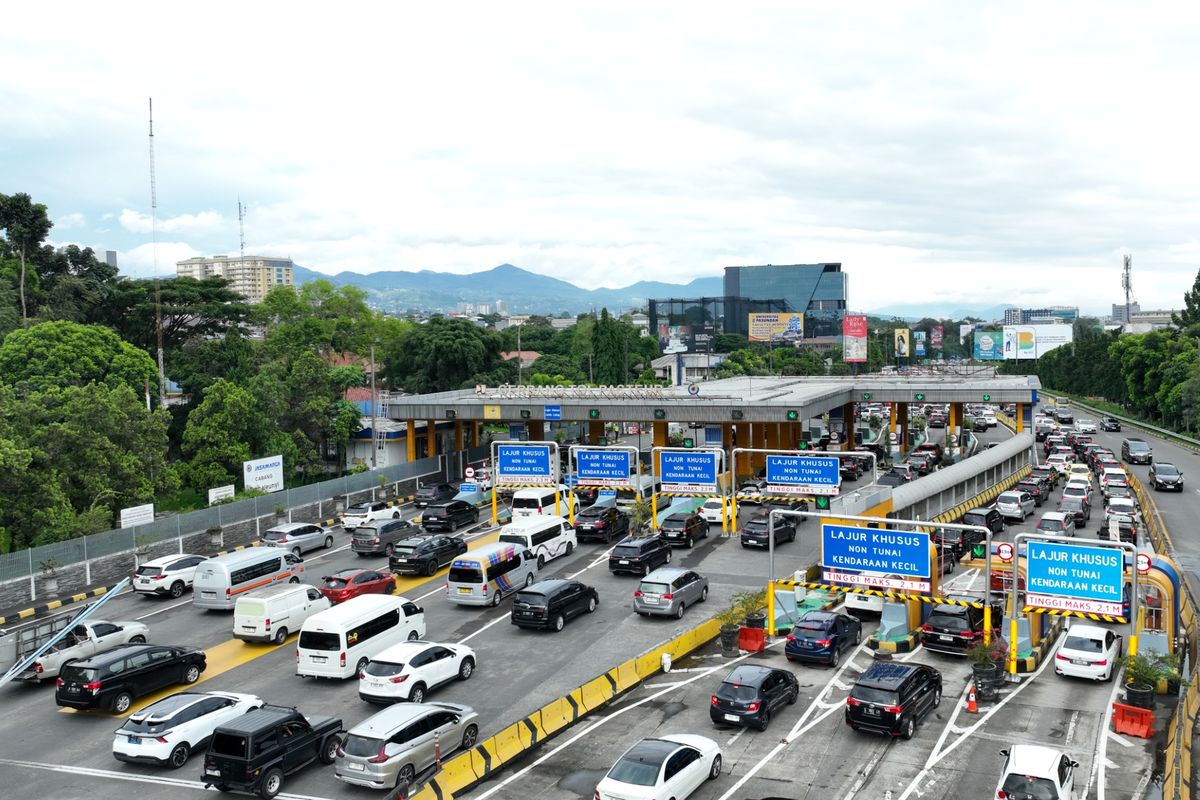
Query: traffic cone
(972, 706)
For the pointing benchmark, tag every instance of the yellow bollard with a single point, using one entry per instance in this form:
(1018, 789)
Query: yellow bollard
(1133, 640)
(724, 517)
(1012, 646)
(987, 622)
(771, 607)
(653, 509)
(495, 514)
(557, 510)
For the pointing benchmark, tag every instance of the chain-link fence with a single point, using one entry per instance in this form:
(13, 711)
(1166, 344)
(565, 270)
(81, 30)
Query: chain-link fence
(24, 563)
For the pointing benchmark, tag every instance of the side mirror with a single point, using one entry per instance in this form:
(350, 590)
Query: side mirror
(1004, 753)
(1074, 764)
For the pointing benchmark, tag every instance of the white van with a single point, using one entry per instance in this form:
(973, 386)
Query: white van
(627, 496)
(485, 575)
(539, 501)
(220, 581)
(271, 613)
(339, 642)
(546, 537)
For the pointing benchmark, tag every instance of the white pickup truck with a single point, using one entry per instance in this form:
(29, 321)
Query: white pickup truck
(84, 641)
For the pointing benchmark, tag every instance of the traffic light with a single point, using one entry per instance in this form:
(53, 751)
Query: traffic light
(689, 441)
(920, 397)
(660, 413)
(822, 502)
(525, 413)
(866, 395)
(736, 413)
(793, 415)
(803, 444)
(987, 398)
(593, 413)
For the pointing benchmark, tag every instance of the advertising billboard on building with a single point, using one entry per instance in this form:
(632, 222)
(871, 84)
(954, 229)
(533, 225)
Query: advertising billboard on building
(919, 343)
(937, 336)
(1034, 341)
(989, 344)
(776, 327)
(901, 336)
(854, 338)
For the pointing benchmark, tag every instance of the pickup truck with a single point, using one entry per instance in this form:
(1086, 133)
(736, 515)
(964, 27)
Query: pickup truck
(253, 753)
(84, 641)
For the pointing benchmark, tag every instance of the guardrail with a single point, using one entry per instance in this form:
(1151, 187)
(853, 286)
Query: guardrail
(1133, 423)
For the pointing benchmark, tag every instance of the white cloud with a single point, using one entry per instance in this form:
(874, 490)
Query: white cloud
(140, 261)
(204, 223)
(73, 220)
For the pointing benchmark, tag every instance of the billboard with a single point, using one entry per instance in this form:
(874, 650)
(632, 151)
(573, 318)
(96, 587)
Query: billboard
(963, 330)
(919, 343)
(854, 338)
(776, 327)
(1034, 341)
(989, 344)
(937, 335)
(902, 338)
(264, 474)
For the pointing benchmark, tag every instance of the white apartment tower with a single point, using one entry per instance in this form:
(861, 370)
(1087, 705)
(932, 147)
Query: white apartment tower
(250, 276)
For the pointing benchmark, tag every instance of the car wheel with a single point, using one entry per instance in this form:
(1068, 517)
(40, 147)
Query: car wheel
(858, 636)
(910, 728)
(453, 526)
(329, 749)
(413, 636)
(937, 697)
(361, 665)
(668, 560)
(836, 658)
(703, 594)
(470, 736)
(793, 697)
(529, 580)
(328, 542)
(591, 604)
(645, 570)
(390, 550)
(714, 771)
(272, 783)
(178, 756)
(792, 536)
(139, 639)
(496, 599)
(541, 563)
(177, 589)
(406, 776)
(296, 552)
(688, 542)
(192, 674)
(466, 669)
(294, 580)
(281, 636)
(559, 622)
(417, 694)
(764, 719)
(431, 567)
(679, 611)
(122, 702)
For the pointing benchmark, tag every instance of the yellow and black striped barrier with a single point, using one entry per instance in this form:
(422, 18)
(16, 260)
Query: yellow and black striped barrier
(1054, 612)
(924, 598)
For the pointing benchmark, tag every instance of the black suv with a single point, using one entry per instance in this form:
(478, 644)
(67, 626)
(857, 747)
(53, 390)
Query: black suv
(1037, 488)
(1110, 424)
(112, 680)
(750, 694)
(449, 516)
(549, 604)
(253, 753)
(639, 555)
(850, 468)
(684, 528)
(891, 698)
(434, 494)
(955, 629)
(600, 524)
(756, 531)
(425, 555)
(380, 536)
(986, 517)
(959, 543)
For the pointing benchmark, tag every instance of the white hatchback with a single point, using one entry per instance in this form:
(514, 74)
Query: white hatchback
(1015, 505)
(674, 765)
(1089, 651)
(1031, 770)
(167, 732)
(712, 510)
(408, 671)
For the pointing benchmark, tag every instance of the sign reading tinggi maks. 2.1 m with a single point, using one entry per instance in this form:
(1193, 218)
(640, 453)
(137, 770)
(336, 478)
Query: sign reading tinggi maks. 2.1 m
(691, 472)
(1075, 577)
(600, 467)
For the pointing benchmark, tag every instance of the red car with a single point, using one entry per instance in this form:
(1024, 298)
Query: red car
(349, 583)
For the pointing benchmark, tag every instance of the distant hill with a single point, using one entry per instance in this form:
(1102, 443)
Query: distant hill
(521, 290)
(913, 312)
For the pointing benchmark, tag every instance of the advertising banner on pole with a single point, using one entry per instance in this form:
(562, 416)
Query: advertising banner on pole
(1034, 341)
(776, 327)
(919, 343)
(265, 474)
(989, 345)
(854, 338)
(937, 336)
(902, 338)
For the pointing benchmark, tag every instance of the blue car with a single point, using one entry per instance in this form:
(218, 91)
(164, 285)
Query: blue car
(821, 636)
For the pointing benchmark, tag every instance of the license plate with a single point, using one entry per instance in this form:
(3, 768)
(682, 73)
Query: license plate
(463, 590)
(353, 765)
(871, 711)
(212, 771)
(623, 561)
(647, 599)
(946, 638)
(1081, 662)
(135, 740)
(208, 594)
(248, 627)
(733, 718)
(319, 659)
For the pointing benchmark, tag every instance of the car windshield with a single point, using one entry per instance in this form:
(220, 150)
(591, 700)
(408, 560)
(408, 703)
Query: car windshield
(674, 523)
(228, 744)
(626, 550)
(361, 746)
(630, 770)
(1008, 497)
(589, 513)
(1083, 644)
(383, 669)
(526, 502)
(1070, 505)
(868, 694)
(404, 549)
(1166, 469)
(947, 622)
(436, 511)
(74, 674)
(816, 625)
(465, 575)
(1051, 525)
(336, 583)
(317, 640)
(274, 536)
(1029, 787)
(1138, 447)
(359, 509)
(736, 691)
(531, 599)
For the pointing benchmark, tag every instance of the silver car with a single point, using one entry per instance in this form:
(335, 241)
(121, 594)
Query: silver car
(392, 747)
(299, 537)
(1015, 505)
(668, 591)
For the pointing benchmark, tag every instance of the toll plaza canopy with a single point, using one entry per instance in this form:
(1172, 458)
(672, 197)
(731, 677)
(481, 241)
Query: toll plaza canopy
(749, 399)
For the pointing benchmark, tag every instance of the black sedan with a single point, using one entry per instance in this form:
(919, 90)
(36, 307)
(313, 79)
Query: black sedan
(1165, 476)
(1110, 424)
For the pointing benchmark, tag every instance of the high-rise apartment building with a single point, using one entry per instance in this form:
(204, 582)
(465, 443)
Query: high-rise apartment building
(251, 277)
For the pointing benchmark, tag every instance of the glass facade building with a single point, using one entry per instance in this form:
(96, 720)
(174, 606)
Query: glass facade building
(816, 290)
(688, 324)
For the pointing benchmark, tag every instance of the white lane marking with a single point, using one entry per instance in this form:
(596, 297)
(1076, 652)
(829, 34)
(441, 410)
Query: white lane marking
(470, 636)
(617, 713)
(600, 559)
(866, 772)
(1071, 728)
(164, 608)
(129, 776)
(1100, 762)
(729, 742)
(912, 654)
(1119, 739)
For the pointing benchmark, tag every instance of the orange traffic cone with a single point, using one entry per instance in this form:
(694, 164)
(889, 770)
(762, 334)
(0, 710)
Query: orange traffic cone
(972, 706)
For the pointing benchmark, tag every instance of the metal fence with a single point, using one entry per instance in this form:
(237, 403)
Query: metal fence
(24, 563)
(1166, 433)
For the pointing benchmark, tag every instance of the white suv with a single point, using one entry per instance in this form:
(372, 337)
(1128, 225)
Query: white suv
(409, 670)
(364, 513)
(170, 575)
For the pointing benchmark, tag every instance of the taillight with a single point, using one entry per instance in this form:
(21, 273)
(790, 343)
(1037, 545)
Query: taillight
(484, 588)
(160, 739)
(850, 701)
(668, 597)
(824, 642)
(297, 654)
(268, 624)
(596, 795)
(791, 638)
(927, 628)
(1060, 657)
(752, 707)
(158, 577)
(94, 686)
(714, 701)
(968, 635)
(379, 757)
(399, 678)
(342, 658)
(38, 666)
(1101, 663)
(58, 681)
(1000, 795)
(893, 709)
(341, 753)
(637, 592)
(281, 541)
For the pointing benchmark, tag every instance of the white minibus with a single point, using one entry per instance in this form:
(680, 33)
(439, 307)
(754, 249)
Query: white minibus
(221, 580)
(339, 642)
(486, 575)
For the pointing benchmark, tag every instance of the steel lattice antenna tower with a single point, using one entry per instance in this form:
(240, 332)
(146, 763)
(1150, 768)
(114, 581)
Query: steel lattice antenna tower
(242, 229)
(1127, 284)
(162, 373)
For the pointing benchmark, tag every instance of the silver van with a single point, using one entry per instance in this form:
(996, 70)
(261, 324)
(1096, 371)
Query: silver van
(271, 613)
(299, 537)
(380, 536)
(668, 591)
(220, 581)
(391, 748)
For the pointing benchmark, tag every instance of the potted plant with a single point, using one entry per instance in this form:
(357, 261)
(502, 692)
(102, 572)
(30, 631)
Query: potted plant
(730, 619)
(751, 605)
(1143, 673)
(49, 569)
(641, 517)
(986, 664)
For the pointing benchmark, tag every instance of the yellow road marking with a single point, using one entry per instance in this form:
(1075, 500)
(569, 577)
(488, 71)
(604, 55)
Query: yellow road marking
(405, 584)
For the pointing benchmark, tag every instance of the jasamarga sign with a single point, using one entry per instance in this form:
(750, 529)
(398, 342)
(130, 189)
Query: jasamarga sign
(264, 474)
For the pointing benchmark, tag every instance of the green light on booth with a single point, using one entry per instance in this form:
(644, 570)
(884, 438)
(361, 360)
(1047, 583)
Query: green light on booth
(660, 413)
(920, 397)
(689, 441)
(735, 414)
(822, 502)
(987, 398)
(866, 395)
(793, 415)
(593, 413)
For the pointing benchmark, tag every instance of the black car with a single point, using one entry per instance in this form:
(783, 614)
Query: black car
(684, 528)
(960, 543)
(424, 555)
(449, 516)
(756, 531)
(253, 753)
(1110, 424)
(1166, 476)
(955, 629)
(980, 424)
(750, 694)
(1081, 510)
(850, 468)
(1136, 451)
(113, 679)
(1047, 473)
(436, 493)
(821, 636)
(987, 517)
(601, 524)
(1036, 488)
(549, 604)
(639, 555)
(892, 697)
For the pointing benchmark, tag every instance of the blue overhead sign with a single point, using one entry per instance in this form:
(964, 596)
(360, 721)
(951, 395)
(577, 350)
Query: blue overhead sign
(693, 471)
(523, 463)
(552, 413)
(901, 559)
(1074, 577)
(796, 474)
(604, 467)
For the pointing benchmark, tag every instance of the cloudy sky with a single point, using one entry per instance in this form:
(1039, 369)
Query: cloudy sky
(950, 152)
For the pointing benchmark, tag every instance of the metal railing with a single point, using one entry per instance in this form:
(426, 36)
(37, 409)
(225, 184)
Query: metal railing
(1133, 423)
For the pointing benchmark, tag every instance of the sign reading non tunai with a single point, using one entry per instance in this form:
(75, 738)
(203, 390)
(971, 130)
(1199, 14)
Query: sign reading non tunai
(900, 558)
(1075, 577)
(264, 474)
(692, 472)
(524, 463)
(603, 467)
(794, 474)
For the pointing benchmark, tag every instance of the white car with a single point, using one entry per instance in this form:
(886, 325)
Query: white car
(1085, 426)
(167, 732)
(408, 671)
(364, 513)
(1079, 472)
(750, 493)
(711, 510)
(1015, 505)
(671, 766)
(1031, 770)
(170, 575)
(1059, 461)
(1089, 651)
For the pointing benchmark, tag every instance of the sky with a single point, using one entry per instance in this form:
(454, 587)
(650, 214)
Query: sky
(951, 152)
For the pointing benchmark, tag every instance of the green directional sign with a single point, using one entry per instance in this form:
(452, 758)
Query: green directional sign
(987, 398)
(977, 550)
(660, 413)
(793, 415)
(822, 502)
(736, 413)
(866, 395)
(920, 397)
(689, 441)
(593, 413)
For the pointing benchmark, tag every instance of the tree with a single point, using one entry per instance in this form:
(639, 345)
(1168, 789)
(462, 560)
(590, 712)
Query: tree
(1190, 315)
(559, 369)
(441, 355)
(226, 428)
(609, 351)
(318, 315)
(728, 342)
(55, 354)
(191, 309)
(26, 225)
